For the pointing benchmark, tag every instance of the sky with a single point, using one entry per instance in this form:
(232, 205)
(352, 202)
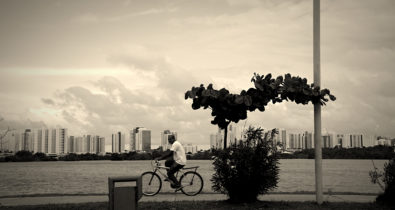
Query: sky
(98, 67)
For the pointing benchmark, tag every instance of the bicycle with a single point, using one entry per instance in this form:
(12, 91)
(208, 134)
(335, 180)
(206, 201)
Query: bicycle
(190, 180)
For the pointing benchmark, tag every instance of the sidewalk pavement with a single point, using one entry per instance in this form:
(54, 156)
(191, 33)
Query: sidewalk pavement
(21, 201)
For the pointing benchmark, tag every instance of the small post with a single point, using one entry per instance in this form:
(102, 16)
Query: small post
(317, 107)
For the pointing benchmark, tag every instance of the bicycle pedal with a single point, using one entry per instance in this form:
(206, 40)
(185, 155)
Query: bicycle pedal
(178, 188)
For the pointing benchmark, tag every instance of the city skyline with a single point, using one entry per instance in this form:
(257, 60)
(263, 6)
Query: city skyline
(57, 141)
(102, 67)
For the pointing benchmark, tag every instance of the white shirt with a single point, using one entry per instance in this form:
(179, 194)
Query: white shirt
(178, 153)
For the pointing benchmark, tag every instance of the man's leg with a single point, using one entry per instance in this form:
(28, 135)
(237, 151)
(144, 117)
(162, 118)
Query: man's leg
(170, 173)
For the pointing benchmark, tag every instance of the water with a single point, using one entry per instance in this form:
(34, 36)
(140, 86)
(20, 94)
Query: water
(91, 177)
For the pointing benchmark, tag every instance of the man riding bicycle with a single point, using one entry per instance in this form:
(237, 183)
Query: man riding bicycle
(176, 159)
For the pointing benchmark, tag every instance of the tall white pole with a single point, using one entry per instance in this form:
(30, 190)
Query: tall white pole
(317, 107)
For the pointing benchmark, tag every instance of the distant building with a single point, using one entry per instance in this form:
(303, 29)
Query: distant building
(281, 138)
(140, 139)
(384, 142)
(27, 142)
(118, 142)
(296, 141)
(132, 136)
(87, 144)
(72, 146)
(216, 140)
(328, 141)
(308, 140)
(102, 146)
(234, 135)
(189, 148)
(49, 141)
(369, 141)
(78, 145)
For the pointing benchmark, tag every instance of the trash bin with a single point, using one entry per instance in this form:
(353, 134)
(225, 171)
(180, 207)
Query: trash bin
(124, 197)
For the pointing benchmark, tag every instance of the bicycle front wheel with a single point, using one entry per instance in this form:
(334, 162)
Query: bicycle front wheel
(151, 183)
(192, 183)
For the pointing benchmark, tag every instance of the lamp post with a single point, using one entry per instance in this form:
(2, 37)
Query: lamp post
(317, 107)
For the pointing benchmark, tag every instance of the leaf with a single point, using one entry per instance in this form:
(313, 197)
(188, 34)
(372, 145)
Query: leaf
(205, 93)
(247, 100)
(332, 97)
(239, 99)
(259, 86)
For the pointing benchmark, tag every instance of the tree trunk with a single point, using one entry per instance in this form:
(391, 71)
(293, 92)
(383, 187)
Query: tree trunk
(226, 134)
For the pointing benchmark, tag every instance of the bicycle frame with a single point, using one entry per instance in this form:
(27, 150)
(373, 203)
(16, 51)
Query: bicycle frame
(158, 168)
(190, 180)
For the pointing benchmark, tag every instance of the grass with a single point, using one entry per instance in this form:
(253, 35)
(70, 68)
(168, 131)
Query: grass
(212, 205)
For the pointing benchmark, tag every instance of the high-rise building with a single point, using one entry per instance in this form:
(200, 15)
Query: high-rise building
(38, 140)
(118, 142)
(308, 140)
(295, 141)
(49, 141)
(133, 133)
(328, 140)
(58, 141)
(191, 149)
(232, 132)
(28, 140)
(145, 137)
(141, 139)
(356, 140)
(87, 144)
(216, 140)
(71, 144)
(384, 142)
(78, 145)
(350, 140)
(369, 141)
(101, 146)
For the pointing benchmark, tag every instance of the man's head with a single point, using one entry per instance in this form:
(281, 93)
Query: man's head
(171, 139)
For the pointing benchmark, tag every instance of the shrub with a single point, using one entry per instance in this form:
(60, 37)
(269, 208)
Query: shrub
(24, 155)
(245, 170)
(386, 178)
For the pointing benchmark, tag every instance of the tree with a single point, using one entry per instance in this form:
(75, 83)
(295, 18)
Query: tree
(227, 107)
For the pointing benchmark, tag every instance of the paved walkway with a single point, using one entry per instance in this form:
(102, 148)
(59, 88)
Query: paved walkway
(38, 200)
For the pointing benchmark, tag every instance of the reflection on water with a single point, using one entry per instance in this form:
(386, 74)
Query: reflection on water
(87, 177)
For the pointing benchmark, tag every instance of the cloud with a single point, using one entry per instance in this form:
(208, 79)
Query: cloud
(120, 108)
(48, 101)
(20, 124)
(89, 18)
(171, 80)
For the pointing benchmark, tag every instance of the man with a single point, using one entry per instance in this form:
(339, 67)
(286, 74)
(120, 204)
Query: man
(176, 160)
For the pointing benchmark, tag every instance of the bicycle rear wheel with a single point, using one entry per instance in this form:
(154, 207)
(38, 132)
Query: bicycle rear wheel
(151, 183)
(192, 183)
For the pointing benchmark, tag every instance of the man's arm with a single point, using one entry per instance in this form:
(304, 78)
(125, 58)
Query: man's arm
(165, 156)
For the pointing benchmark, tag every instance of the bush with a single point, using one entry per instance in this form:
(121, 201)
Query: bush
(388, 179)
(248, 169)
(22, 156)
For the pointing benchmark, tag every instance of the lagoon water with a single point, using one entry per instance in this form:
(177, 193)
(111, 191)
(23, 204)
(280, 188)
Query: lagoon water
(91, 177)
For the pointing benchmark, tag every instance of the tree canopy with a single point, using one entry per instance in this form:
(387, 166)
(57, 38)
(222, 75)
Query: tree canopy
(227, 107)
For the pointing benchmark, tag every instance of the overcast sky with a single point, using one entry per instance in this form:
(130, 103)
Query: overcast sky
(104, 66)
